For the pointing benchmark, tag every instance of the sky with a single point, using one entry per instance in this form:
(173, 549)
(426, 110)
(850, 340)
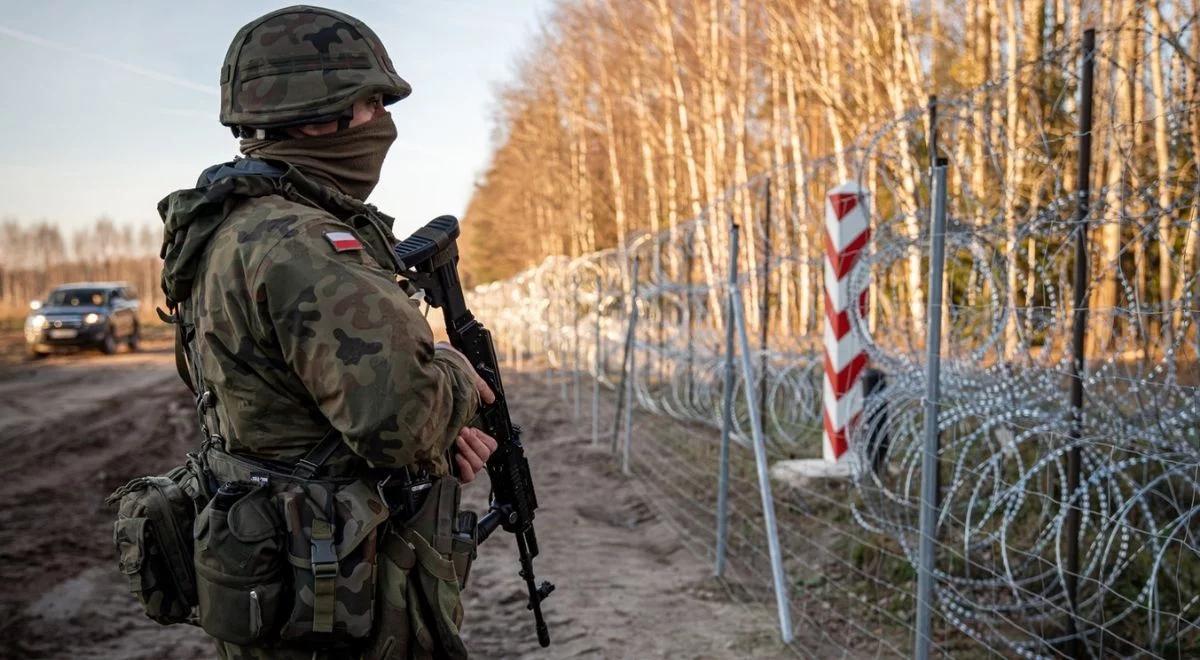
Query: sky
(110, 106)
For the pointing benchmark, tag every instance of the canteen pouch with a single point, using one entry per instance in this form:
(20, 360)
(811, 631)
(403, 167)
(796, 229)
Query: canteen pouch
(332, 538)
(152, 535)
(421, 607)
(240, 560)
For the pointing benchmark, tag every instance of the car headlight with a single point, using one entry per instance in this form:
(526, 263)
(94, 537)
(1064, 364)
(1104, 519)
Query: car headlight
(93, 318)
(36, 322)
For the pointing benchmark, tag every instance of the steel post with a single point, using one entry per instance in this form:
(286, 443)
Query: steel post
(598, 360)
(764, 320)
(726, 410)
(578, 362)
(625, 360)
(932, 137)
(1078, 336)
(929, 457)
(764, 478)
(631, 350)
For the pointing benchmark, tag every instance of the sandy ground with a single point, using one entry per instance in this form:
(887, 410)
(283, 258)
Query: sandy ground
(74, 427)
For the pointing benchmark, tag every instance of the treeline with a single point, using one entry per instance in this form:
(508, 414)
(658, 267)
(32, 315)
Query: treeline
(36, 257)
(638, 115)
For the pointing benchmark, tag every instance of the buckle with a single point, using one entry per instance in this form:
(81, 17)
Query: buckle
(324, 559)
(305, 469)
(205, 400)
(381, 489)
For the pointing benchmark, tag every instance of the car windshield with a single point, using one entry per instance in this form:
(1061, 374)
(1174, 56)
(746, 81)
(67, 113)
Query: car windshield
(77, 298)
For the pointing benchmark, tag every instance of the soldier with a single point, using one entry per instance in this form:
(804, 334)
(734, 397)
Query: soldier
(297, 331)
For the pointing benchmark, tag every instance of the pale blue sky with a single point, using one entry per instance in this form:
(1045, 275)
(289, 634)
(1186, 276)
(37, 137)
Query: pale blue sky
(108, 106)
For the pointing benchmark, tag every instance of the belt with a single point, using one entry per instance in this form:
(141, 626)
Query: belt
(402, 490)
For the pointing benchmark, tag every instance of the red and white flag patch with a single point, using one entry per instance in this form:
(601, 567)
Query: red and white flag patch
(343, 241)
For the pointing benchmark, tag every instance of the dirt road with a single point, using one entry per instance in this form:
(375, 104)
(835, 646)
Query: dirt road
(73, 428)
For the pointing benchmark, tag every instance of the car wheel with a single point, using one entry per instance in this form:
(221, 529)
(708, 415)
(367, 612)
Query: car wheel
(109, 343)
(135, 338)
(34, 353)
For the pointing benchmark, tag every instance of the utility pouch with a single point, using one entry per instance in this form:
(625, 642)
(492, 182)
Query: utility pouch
(152, 535)
(332, 539)
(240, 576)
(421, 583)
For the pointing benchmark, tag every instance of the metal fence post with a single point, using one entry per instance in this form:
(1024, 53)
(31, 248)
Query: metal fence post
(931, 109)
(631, 376)
(575, 367)
(929, 457)
(764, 478)
(1078, 335)
(764, 320)
(556, 340)
(625, 361)
(598, 360)
(689, 307)
(726, 409)
(563, 356)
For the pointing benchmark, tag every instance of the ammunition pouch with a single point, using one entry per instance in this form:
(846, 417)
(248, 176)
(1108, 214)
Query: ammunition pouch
(321, 551)
(239, 562)
(153, 538)
(424, 563)
(275, 559)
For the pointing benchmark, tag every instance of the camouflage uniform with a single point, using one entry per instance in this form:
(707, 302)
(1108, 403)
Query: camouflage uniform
(294, 336)
(301, 324)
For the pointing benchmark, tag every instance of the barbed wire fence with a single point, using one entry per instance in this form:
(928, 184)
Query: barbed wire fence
(1063, 528)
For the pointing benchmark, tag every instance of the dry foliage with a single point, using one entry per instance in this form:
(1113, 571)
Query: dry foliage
(37, 257)
(634, 116)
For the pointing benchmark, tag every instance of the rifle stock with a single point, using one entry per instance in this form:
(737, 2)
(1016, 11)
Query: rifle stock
(430, 259)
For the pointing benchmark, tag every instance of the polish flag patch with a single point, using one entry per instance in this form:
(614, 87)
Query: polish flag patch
(343, 241)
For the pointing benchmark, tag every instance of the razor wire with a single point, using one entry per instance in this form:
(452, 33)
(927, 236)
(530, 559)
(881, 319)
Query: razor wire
(1005, 427)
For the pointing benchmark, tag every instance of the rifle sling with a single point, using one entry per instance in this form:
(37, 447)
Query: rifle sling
(181, 358)
(309, 464)
(312, 461)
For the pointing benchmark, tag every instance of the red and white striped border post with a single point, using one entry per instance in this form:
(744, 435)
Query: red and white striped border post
(846, 237)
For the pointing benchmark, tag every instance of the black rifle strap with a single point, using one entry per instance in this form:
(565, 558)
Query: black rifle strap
(308, 466)
(181, 358)
(181, 364)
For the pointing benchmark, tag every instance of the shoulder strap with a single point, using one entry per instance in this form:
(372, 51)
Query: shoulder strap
(307, 467)
(181, 364)
(311, 463)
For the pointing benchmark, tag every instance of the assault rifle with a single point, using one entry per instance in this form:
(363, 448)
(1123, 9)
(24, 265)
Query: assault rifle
(429, 259)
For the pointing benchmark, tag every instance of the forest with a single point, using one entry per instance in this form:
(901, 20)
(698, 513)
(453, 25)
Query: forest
(632, 117)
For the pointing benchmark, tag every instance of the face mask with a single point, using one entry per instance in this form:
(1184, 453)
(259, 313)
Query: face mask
(349, 160)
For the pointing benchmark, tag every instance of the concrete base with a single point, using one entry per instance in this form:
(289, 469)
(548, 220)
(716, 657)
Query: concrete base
(802, 472)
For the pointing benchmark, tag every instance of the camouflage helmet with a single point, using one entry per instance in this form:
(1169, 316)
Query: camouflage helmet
(303, 65)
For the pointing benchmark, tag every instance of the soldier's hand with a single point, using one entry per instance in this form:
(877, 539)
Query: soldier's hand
(485, 393)
(474, 448)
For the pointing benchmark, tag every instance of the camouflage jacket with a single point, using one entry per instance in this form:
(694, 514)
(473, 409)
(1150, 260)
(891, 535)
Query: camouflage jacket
(301, 323)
